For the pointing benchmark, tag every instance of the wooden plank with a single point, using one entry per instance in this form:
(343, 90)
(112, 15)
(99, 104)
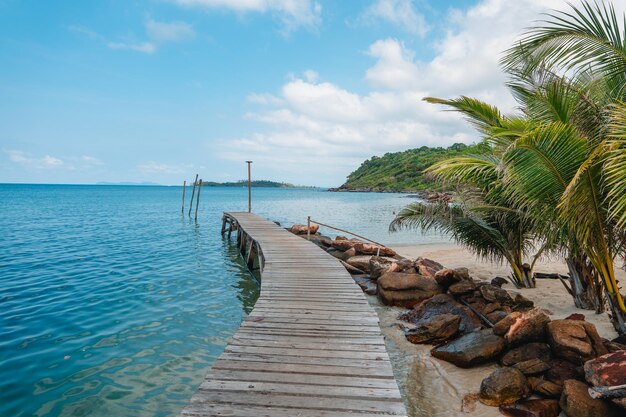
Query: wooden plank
(310, 347)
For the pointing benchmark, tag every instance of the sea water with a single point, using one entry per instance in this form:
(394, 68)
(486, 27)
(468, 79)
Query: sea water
(114, 303)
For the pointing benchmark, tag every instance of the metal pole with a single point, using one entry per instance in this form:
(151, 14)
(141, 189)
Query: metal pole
(249, 188)
(184, 188)
(308, 228)
(193, 192)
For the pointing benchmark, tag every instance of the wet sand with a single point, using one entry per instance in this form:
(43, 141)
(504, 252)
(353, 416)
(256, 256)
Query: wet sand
(436, 388)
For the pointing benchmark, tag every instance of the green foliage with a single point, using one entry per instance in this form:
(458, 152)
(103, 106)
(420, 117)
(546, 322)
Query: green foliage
(404, 171)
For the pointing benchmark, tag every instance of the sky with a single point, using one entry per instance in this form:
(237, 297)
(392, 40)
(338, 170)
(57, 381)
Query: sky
(159, 90)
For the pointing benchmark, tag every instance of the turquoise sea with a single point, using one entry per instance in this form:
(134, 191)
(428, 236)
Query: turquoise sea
(114, 303)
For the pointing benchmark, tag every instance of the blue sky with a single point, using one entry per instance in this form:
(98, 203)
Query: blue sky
(158, 90)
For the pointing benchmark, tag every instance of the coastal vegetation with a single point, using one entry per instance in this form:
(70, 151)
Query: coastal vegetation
(255, 183)
(553, 176)
(403, 171)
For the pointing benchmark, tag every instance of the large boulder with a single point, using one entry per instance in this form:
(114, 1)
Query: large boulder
(342, 244)
(525, 353)
(576, 402)
(302, 229)
(379, 265)
(372, 249)
(427, 267)
(447, 277)
(402, 289)
(532, 367)
(368, 285)
(443, 304)
(471, 349)
(527, 327)
(362, 262)
(607, 371)
(574, 340)
(494, 293)
(562, 370)
(462, 288)
(435, 330)
(503, 386)
(532, 408)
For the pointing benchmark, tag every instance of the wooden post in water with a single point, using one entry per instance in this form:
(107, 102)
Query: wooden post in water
(308, 228)
(182, 210)
(198, 198)
(249, 188)
(193, 192)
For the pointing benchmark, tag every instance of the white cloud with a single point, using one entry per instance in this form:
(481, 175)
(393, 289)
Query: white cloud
(401, 13)
(169, 32)
(145, 47)
(44, 162)
(292, 14)
(152, 167)
(320, 132)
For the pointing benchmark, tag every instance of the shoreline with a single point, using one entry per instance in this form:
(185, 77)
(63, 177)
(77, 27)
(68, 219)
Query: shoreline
(435, 388)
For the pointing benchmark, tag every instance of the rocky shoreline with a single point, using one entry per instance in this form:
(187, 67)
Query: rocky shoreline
(530, 365)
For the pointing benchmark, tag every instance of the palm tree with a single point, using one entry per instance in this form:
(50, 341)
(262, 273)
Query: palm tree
(586, 44)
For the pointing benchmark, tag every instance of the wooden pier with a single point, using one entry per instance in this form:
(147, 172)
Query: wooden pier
(311, 347)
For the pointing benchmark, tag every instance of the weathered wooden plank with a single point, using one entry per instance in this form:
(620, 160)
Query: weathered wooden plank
(310, 347)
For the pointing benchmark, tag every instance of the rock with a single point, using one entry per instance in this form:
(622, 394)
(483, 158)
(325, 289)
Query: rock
(462, 273)
(302, 229)
(491, 307)
(463, 287)
(371, 249)
(522, 303)
(361, 262)
(496, 316)
(575, 316)
(503, 325)
(526, 352)
(574, 340)
(576, 402)
(352, 270)
(544, 387)
(532, 408)
(562, 370)
(532, 367)
(608, 370)
(527, 327)
(613, 346)
(443, 304)
(402, 289)
(336, 253)
(367, 284)
(427, 267)
(380, 265)
(348, 254)
(471, 349)
(492, 294)
(503, 386)
(446, 277)
(342, 244)
(341, 238)
(435, 330)
(499, 282)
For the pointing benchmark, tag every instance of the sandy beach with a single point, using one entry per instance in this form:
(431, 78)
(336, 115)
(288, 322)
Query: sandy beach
(436, 388)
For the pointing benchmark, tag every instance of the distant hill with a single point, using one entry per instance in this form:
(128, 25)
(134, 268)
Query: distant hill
(403, 171)
(256, 183)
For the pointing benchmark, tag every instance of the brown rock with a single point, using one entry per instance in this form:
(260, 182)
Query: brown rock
(532, 408)
(607, 371)
(446, 277)
(471, 349)
(575, 316)
(463, 287)
(544, 387)
(342, 244)
(503, 325)
(576, 402)
(435, 330)
(302, 229)
(427, 267)
(371, 249)
(499, 281)
(562, 370)
(361, 262)
(352, 270)
(526, 352)
(443, 304)
(462, 273)
(380, 265)
(503, 386)
(532, 367)
(491, 307)
(401, 289)
(367, 284)
(348, 254)
(492, 294)
(522, 303)
(529, 326)
(336, 253)
(574, 340)
(613, 346)
(496, 316)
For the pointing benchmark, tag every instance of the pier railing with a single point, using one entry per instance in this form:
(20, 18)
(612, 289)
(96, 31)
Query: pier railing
(309, 220)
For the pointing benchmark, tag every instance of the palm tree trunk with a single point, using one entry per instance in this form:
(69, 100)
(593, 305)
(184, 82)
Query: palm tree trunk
(587, 289)
(618, 317)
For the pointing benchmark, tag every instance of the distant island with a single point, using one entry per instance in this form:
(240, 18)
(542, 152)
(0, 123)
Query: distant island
(255, 183)
(403, 171)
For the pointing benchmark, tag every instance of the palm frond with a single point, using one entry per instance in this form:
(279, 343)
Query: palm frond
(480, 114)
(615, 165)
